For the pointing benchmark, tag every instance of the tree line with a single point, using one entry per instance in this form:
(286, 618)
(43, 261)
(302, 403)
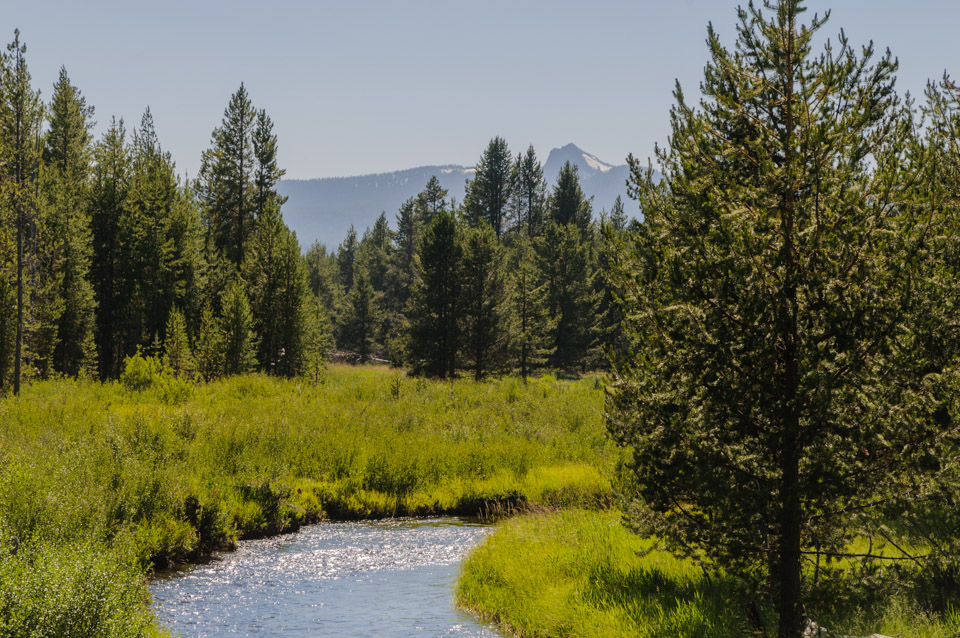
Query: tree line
(509, 279)
(105, 251)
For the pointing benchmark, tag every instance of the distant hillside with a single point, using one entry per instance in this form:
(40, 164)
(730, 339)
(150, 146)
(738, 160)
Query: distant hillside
(323, 209)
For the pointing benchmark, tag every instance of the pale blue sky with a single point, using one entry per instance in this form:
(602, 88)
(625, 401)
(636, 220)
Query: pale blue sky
(370, 86)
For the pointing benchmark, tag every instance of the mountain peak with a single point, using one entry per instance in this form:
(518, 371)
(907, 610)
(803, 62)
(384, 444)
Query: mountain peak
(587, 163)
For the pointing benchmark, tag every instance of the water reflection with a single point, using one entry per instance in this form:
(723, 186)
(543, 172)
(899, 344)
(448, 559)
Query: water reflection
(389, 578)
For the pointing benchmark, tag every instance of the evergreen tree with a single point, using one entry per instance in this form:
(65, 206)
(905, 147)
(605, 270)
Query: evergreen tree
(566, 267)
(239, 340)
(318, 338)
(407, 237)
(433, 309)
(488, 193)
(360, 319)
(774, 295)
(529, 194)
(225, 183)
(209, 354)
(323, 278)
(21, 113)
(610, 331)
(109, 192)
(267, 172)
(431, 200)
(401, 274)
(528, 301)
(484, 318)
(618, 215)
(176, 344)
(67, 157)
(274, 268)
(159, 239)
(8, 251)
(374, 253)
(346, 258)
(277, 291)
(568, 205)
(375, 258)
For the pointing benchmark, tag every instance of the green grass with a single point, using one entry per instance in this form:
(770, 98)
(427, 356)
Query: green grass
(581, 573)
(101, 481)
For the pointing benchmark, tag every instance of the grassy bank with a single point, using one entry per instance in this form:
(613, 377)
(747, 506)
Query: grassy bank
(100, 483)
(579, 573)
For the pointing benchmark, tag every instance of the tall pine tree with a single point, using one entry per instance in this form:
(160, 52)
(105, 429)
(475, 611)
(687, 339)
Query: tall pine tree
(434, 307)
(67, 156)
(529, 194)
(483, 311)
(109, 191)
(225, 183)
(776, 297)
(21, 113)
(488, 193)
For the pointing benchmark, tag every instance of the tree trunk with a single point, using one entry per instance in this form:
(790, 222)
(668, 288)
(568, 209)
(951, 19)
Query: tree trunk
(791, 614)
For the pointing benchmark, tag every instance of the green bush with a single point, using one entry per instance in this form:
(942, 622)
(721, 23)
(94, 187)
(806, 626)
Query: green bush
(141, 374)
(73, 591)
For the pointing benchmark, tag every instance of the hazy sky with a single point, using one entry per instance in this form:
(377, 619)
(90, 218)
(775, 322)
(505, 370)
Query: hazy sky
(370, 86)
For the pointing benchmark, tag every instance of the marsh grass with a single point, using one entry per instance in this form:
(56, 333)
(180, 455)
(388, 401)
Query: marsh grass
(581, 573)
(150, 474)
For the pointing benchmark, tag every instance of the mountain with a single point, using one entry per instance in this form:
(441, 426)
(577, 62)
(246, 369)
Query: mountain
(324, 209)
(598, 179)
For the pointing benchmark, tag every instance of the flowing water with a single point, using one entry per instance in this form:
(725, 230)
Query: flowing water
(387, 578)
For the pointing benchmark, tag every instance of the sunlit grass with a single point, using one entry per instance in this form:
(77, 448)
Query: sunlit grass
(581, 573)
(173, 472)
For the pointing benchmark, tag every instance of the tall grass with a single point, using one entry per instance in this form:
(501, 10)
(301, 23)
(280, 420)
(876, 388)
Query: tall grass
(580, 573)
(151, 474)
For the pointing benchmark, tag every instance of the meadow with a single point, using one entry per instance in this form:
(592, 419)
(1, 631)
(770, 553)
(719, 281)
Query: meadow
(580, 573)
(102, 483)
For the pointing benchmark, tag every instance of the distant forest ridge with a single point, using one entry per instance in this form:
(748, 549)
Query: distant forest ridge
(323, 209)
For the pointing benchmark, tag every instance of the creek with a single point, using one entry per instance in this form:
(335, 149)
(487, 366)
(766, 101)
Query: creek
(391, 578)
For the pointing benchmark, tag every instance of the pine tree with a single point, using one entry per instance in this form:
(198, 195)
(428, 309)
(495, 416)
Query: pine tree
(22, 113)
(374, 253)
(774, 295)
(566, 267)
(434, 309)
(568, 205)
(610, 331)
(274, 269)
(176, 344)
(109, 192)
(528, 300)
(239, 340)
(346, 258)
(159, 242)
(277, 292)
(360, 319)
(209, 354)
(484, 318)
(267, 172)
(323, 278)
(529, 194)
(618, 215)
(431, 200)
(67, 156)
(405, 243)
(225, 183)
(318, 338)
(488, 193)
